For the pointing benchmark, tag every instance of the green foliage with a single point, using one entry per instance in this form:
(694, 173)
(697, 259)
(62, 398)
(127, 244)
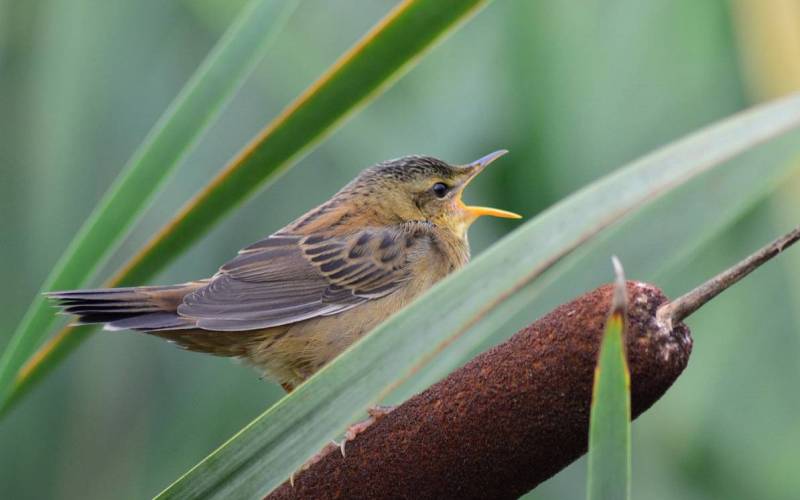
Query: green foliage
(172, 136)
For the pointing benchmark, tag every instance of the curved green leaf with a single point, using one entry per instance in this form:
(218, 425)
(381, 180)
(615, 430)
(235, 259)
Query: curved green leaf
(652, 242)
(189, 115)
(381, 56)
(265, 452)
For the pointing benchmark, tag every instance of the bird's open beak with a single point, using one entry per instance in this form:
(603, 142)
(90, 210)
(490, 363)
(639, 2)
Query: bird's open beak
(494, 212)
(477, 167)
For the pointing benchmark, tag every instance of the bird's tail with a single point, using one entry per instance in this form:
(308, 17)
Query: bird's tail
(145, 308)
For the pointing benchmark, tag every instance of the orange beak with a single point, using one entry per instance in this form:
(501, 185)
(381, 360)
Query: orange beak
(494, 212)
(475, 212)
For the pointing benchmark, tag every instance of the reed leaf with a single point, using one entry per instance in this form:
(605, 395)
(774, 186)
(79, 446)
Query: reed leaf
(610, 419)
(184, 121)
(369, 67)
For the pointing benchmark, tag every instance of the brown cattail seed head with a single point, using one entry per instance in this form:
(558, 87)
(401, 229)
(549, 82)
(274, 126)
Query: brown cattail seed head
(509, 419)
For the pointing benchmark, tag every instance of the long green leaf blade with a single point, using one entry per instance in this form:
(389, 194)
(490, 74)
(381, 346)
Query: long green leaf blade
(189, 115)
(653, 241)
(384, 53)
(610, 420)
(265, 452)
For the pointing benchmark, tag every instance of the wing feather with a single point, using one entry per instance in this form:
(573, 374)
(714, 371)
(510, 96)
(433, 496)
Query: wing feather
(288, 278)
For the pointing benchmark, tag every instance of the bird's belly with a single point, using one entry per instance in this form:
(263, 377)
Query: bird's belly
(306, 346)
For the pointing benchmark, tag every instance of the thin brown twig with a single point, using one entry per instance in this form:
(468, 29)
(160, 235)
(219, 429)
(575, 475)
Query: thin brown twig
(683, 306)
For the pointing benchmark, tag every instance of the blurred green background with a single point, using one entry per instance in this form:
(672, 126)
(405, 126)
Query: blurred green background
(573, 88)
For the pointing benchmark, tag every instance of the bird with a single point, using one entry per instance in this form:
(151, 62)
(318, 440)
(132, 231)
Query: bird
(291, 302)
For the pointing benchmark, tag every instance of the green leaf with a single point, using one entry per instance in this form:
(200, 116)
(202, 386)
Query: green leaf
(381, 56)
(189, 115)
(610, 420)
(265, 452)
(654, 241)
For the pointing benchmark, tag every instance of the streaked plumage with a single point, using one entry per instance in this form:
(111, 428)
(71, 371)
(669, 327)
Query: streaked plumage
(292, 301)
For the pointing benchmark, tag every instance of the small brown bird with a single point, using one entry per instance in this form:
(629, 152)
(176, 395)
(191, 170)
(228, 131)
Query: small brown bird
(291, 302)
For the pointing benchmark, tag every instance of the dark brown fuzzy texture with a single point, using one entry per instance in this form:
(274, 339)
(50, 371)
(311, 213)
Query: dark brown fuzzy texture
(511, 418)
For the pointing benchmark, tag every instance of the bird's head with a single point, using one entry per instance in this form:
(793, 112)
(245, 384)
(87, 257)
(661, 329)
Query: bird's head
(425, 188)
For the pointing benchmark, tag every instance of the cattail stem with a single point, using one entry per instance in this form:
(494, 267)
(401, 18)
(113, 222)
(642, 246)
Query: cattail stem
(683, 306)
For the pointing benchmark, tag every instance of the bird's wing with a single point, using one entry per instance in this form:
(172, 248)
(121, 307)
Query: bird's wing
(287, 278)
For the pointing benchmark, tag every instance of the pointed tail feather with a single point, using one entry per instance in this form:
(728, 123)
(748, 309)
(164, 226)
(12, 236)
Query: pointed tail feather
(145, 308)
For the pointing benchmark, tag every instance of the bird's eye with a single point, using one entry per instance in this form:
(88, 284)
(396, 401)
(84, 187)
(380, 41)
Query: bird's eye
(440, 189)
